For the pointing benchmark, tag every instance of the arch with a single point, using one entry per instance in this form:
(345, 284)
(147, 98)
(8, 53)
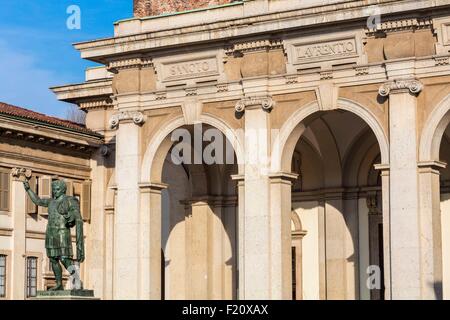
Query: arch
(290, 132)
(296, 221)
(160, 145)
(431, 137)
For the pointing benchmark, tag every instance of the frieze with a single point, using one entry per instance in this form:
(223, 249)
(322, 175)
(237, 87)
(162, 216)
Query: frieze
(326, 50)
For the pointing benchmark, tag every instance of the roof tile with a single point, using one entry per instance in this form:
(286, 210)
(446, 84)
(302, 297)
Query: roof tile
(8, 109)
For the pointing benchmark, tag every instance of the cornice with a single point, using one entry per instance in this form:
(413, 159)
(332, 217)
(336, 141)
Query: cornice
(129, 63)
(102, 89)
(247, 25)
(400, 25)
(254, 46)
(48, 134)
(102, 103)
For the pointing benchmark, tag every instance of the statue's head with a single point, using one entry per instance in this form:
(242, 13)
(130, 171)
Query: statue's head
(58, 188)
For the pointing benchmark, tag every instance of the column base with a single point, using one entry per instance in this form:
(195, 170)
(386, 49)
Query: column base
(66, 295)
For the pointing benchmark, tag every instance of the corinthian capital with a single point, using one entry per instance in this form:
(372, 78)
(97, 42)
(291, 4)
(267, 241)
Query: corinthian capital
(412, 85)
(266, 103)
(137, 117)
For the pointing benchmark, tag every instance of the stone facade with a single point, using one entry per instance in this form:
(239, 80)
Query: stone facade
(337, 116)
(144, 8)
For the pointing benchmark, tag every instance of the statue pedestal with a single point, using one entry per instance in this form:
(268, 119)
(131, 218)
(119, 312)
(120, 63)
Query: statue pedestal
(66, 295)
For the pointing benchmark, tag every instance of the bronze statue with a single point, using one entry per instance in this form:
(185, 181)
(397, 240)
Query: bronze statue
(63, 214)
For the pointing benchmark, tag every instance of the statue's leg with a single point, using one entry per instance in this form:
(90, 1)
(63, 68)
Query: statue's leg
(67, 262)
(57, 270)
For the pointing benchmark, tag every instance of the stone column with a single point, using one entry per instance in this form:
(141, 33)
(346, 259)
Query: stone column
(280, 235)
(109, 253)
(264, 229)
(95, 230)
(240, 179)
(404, 201)
(255, 227)
(430, 229)
(386, 214)
(150, 248)
(127, 230)
(375, 219)
(18, 267)
(335, 246)
(297, 237)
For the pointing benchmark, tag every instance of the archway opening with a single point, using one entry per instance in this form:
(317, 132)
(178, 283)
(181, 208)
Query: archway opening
(444, 198)
(337, 197)
(199, 214)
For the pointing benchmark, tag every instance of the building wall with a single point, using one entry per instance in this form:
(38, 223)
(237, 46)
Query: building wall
(22, 226)
(144, 8)
(365, 106)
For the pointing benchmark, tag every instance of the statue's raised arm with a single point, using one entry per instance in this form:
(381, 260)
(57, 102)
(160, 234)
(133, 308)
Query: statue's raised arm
(34, 197)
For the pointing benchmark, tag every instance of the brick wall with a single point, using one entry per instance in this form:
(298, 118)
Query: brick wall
(144, 8)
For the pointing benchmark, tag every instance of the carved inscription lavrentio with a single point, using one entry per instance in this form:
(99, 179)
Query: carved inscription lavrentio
(325, 50)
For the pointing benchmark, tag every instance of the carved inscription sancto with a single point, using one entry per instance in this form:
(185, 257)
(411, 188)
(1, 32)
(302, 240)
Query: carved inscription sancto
(325, 50)
(190, 69)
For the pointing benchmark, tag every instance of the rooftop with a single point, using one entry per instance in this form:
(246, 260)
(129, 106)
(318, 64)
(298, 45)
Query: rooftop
(36, 117)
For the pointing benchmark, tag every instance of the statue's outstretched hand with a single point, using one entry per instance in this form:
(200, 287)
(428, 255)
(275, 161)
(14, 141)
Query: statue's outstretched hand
(26, 185)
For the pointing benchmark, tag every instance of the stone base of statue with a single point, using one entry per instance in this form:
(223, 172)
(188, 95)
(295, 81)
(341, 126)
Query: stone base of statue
(66, 295)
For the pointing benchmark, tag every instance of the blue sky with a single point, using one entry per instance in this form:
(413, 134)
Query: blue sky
(36, 47)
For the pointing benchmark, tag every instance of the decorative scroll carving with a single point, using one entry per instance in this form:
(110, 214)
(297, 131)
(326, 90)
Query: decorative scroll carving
(266, 103)
(412, 85)
(137, 117)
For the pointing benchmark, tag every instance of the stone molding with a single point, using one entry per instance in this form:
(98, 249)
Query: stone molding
(137, 117)
(254, 46)
(130, 63)
(431, 166)
(96, 104)
(361, 70)
(400, 25)
(402, 85)
(442, 61)
(154, 187)
(48, 141)
(265, 102)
